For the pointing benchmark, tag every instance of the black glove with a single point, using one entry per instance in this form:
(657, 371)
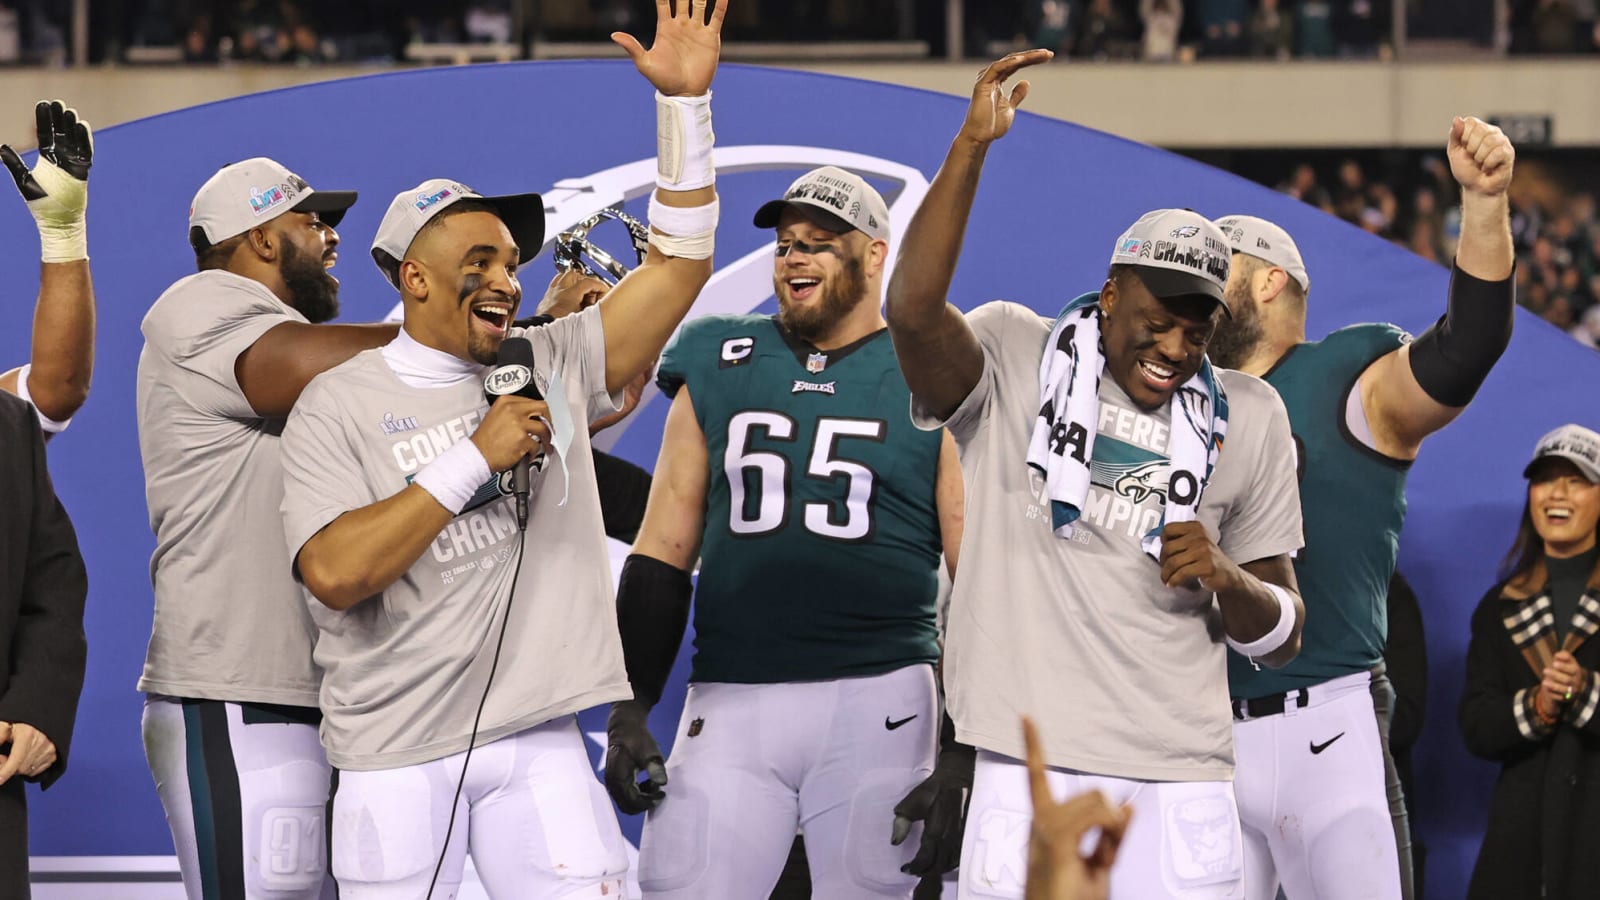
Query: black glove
(63, 140)
(940, 803)
(631, 750)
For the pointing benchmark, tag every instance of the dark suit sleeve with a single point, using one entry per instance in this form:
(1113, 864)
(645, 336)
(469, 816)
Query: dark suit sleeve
(48, 649)
(1407, 659)
(1494, 717)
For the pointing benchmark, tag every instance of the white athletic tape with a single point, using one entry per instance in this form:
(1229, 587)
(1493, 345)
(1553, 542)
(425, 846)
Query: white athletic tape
(50, 426)
(1278, 636)
(455, 475)
(685, 232)
(683, 142)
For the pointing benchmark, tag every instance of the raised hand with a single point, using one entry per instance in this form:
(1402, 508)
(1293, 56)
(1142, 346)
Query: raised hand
(1481, 156)
(683, 58)
(992, 110)
(57, 187)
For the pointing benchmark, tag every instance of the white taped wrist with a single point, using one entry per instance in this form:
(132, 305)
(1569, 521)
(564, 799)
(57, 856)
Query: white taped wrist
(1279, 635)
(683, 142)
(685, 232)
(49, 425)
(454, 475)
(63, 243)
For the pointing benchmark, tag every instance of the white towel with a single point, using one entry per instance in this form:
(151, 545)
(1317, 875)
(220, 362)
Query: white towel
(1069, 406)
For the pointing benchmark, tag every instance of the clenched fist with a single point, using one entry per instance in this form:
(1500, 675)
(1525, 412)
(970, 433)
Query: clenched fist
(1481, 156)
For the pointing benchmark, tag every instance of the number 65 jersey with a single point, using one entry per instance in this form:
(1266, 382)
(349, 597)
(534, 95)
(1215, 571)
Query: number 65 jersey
(821, 537)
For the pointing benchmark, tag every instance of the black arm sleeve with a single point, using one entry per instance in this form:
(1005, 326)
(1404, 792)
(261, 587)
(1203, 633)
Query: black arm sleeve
(652, 611)
(48, 648)
(1453, 357)
(624, 491)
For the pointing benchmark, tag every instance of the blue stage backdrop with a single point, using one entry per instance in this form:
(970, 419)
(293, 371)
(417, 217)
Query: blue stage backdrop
(1054, 198)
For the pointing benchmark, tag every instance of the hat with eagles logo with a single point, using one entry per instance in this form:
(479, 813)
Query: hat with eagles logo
(1176, 253)
(837, 200)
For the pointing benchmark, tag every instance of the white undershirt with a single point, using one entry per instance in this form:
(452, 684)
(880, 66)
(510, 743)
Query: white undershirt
(421, 366)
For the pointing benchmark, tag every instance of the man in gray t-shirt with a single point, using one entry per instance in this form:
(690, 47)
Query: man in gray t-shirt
(230, 717)
(1115, 543)
(456, 648)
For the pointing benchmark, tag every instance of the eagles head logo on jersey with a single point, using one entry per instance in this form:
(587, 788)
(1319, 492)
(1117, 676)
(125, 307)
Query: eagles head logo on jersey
(1148, 480)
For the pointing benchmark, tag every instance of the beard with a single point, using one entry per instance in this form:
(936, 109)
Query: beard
(315, 292)
(1237, 335)
(483, 349)
(840, 295)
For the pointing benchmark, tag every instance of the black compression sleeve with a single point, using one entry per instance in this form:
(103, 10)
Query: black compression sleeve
(652, 610)
(624, 490)
(1453, 357)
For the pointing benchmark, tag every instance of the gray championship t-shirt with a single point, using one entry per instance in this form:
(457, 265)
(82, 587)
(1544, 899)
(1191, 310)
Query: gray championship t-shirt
(1124, 676)
(404, 670)
(230, 623)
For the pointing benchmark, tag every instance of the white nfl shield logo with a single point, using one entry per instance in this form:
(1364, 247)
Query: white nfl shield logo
(816, 362)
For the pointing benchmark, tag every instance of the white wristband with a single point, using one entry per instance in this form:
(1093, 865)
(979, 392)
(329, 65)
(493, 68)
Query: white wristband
(683, 142)
(685, 232)
(49, 425)
(1279, 635)
(454, 475)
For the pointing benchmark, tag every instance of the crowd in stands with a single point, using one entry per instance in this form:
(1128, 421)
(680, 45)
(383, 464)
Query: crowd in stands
(1557, 233)
(299, 31)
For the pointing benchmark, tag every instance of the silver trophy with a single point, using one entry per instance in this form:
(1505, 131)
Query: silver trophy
(574, 249)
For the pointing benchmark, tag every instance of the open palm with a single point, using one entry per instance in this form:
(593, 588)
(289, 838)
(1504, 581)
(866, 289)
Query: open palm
(993, 110)
(683, 58)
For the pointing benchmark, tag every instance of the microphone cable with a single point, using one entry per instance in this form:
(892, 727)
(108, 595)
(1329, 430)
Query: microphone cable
(455, 802)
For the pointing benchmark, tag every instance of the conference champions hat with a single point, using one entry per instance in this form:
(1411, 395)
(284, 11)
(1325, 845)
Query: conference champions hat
(1176, 253)
(1263, 239)
(1574, 443)
(246, 194)
(523, 215)
(834, 199)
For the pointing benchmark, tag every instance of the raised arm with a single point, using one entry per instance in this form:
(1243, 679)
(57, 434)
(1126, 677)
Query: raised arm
(939, 355)
(57, 194)
(643, 310)
(1418, 389)
(279, 365)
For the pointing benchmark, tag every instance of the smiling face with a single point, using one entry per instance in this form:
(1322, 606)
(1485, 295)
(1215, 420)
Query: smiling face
(1564, 506)
(460, 275)
(1152, 345)
(818, 275)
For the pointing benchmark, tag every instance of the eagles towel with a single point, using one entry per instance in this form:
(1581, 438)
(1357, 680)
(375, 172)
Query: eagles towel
(1069, 406)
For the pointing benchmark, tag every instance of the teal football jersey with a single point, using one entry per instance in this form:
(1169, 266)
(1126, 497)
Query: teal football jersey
(821, 542)
(1353, 501)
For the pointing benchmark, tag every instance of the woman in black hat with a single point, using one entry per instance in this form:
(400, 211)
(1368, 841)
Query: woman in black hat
(1531, 695)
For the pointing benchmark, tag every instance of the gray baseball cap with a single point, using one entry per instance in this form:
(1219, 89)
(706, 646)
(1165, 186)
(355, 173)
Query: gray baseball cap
(1263, 239)
(246, 194)
(410, 210)
(833, 198)
(1176, 253)
(1573, 443)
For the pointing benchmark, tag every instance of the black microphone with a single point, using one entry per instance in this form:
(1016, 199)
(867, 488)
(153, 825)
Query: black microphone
(514, 374)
